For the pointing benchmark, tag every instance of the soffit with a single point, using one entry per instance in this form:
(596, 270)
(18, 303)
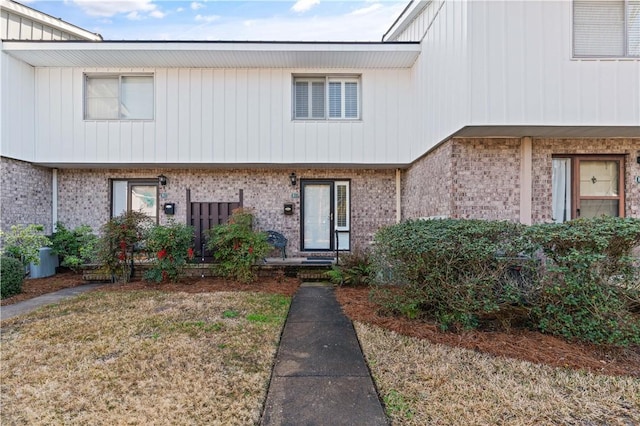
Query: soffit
(213, 54)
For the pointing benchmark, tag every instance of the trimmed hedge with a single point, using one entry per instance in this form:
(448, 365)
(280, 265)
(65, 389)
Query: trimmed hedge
(11, 276)
(576, 279)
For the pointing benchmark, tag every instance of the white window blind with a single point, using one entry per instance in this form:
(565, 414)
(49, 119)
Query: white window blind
(606, 28)
(326, 97)
(102, 98)
(119, 98)
(136, 97)
(633, 27)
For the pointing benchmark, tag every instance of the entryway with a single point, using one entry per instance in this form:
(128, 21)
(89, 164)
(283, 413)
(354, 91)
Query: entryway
(325, 210)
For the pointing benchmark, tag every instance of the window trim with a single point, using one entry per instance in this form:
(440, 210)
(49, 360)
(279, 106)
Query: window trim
(626, 31)
(575, 180)
(326, 79)
(119, 76)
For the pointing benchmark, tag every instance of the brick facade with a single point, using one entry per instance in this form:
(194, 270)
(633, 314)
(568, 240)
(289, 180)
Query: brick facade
(480, 178)
(26, 196)
(427, 185)
(84, 196)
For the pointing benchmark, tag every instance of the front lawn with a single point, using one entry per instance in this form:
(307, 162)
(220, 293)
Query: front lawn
(141, 357)
(424, 383)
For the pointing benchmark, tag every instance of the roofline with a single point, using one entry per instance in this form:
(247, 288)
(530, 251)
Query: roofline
(413, 9)
(212, 42)
(44, 18)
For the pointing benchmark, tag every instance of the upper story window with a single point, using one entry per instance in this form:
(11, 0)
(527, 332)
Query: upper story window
(606, 28)
(321, 98)
(118, 97)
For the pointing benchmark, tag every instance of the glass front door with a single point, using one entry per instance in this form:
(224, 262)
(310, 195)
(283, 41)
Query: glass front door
(325, 215)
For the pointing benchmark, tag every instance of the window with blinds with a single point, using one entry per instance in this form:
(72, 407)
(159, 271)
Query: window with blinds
(320, 98)
(606, 28)
(119, 97)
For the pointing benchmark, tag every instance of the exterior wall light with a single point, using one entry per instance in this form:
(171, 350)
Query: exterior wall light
(293, 178)
(162, 180)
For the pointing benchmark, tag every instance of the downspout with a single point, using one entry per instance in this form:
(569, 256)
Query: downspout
(398, 195)
(54, 199)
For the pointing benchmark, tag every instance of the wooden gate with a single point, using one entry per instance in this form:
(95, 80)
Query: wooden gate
(203, 216)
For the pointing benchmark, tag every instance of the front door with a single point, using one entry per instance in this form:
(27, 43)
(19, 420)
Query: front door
(325, 215)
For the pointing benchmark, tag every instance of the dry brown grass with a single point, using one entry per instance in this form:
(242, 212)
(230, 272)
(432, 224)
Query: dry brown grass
(430, 384)
(141, 357)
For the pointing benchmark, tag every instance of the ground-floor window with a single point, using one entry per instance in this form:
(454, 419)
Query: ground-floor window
(326, 217)
(134, 195)
(587, 186)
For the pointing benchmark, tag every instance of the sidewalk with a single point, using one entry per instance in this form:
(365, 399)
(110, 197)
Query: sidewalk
(320, 376)
(10, 311)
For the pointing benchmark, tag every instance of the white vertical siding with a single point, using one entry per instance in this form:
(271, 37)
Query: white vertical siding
(521, 70)
(223, 116)
(17, 27)
(440, 77)
(17, 93)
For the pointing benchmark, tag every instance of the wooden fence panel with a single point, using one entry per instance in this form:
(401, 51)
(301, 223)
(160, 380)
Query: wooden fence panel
(205, 215)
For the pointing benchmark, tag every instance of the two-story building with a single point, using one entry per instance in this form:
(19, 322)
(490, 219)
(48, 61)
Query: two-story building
(518, 110)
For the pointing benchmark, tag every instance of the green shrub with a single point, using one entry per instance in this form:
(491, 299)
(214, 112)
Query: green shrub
(591, 280)
(24, 243)
(171, 248)
(237, 247)
(451, 270)
(353, 269)
(75, 247)
(120, 238)
(11, 276)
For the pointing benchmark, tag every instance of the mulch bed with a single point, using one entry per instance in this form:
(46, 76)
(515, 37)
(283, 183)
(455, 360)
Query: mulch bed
(520, 344)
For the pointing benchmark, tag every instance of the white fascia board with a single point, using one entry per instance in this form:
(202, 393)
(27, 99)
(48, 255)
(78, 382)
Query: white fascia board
(48, 20)
(413, 9)
(214, 54)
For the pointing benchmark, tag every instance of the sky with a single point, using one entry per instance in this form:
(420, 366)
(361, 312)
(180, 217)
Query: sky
(266, 20)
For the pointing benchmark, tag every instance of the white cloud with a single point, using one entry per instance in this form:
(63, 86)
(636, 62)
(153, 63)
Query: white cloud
(157, 14)
(180, 9)
(134, 16)
(304, 5)
(195, 5)
(111, 8)
(366, 10)
(207, 18)
(348, 26)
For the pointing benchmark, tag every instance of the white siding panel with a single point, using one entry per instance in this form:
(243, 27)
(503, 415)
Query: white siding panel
(522, 72)
(219, 116)
(17, 137)
(205, 116)
(441, 79)
(207, 152)
(172, 119)
(159, 151)
(242, 119)
(197, 116)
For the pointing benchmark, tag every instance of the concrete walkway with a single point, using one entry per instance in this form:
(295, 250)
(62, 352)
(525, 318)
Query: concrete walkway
(320, 376)
(10, 311)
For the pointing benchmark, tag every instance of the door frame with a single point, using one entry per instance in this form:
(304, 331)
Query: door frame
(332, 207)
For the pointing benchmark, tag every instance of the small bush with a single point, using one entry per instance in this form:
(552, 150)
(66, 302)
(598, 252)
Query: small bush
(75, 247)
(120, 237)
(171, 248)
(591, 280)
(353, 269)
(24, 243)
(237, 247)
(451, 270)
(11, 276)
